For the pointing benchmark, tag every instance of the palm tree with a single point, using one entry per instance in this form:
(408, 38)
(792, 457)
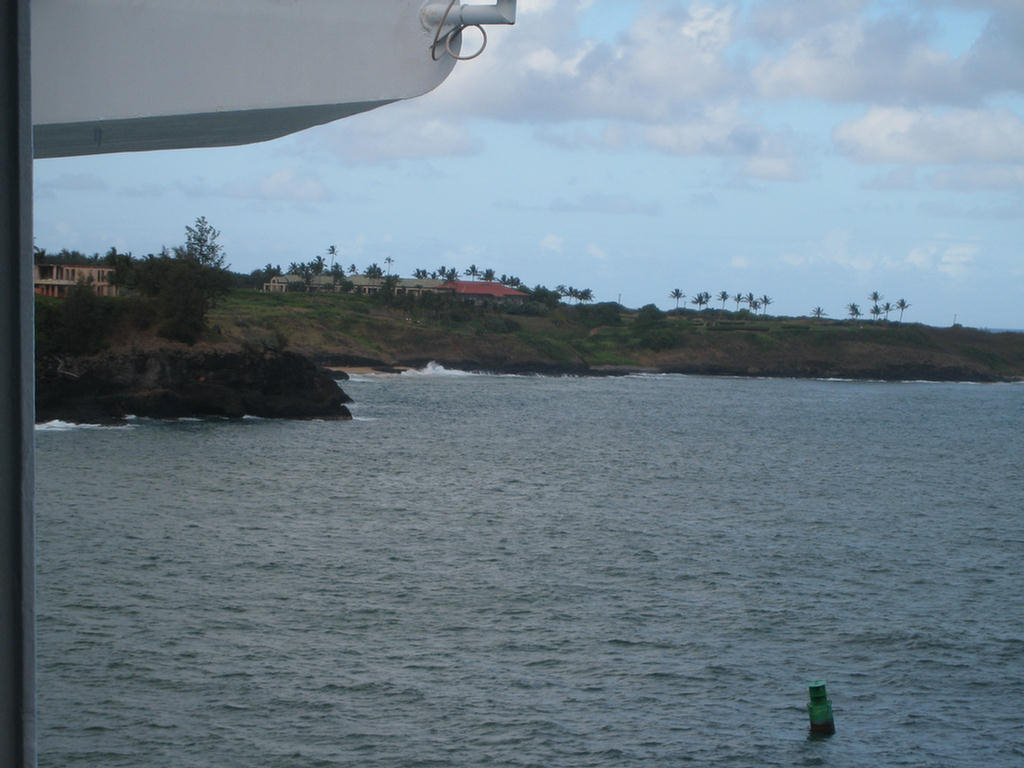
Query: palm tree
(765, 301)
(886, 309)
(854, 310)
(374, 270)
(472, 271)
(306, 273)
(902, 306)
(738, 298)
(818, 312)
(584, 295)
(317, 265)
(875, 297)
(876, 311)
(353, 269)
(676, 294)
(389, 261)
(489, 275)
(723, 296)
(755, 305)
(750, 298)
(701, 299)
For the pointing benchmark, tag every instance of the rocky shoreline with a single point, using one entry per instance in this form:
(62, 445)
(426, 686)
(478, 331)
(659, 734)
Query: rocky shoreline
(887, 371)
(176, 381)
(167, 380)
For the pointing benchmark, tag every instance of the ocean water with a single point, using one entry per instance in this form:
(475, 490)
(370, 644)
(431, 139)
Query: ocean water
(527, 571)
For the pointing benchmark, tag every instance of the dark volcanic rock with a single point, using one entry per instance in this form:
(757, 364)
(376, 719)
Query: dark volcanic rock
(173, 382)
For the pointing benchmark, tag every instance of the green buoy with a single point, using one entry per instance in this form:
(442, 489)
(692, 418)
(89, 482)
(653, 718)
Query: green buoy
(820, 709)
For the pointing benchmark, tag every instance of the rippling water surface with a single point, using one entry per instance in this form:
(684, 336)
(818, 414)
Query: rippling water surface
(518, 571)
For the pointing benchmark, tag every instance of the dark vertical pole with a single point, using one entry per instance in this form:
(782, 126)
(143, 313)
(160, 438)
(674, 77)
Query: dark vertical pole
(17, 536)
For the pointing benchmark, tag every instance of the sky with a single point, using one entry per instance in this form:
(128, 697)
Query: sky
(810, 151)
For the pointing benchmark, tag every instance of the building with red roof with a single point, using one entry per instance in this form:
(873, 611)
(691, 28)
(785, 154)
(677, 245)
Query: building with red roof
(482, 290)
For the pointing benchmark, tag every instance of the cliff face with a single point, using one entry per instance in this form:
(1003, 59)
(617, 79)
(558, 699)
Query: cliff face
(172, 382)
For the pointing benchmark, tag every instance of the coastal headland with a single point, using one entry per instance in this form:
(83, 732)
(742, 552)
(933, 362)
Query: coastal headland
(280, 355)
(353, 332)
(173, 381)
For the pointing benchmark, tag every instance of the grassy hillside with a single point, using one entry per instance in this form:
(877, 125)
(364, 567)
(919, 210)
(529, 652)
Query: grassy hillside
(343, 329)
(606, 338)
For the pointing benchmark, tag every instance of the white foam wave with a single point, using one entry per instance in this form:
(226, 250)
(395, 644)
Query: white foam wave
(57, 425)
(436, 369)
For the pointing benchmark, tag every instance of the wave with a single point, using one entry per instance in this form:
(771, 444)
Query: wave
(436, 369)
(58, 425)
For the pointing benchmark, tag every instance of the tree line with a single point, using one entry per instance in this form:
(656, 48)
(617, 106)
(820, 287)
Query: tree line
(878, 307)
(703, 299)
(173, 290)
(319, 266)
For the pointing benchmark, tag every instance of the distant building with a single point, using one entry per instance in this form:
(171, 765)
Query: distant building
(360, 284)
(483, 291)
(284, 283)
(475, 291)
(58, 279)
(404, 286)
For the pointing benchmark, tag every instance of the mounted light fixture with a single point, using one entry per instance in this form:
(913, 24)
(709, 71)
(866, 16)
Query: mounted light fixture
(502, 12)
(447, 20)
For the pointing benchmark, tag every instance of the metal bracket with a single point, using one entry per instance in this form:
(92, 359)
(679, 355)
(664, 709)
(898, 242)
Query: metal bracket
(502, 12)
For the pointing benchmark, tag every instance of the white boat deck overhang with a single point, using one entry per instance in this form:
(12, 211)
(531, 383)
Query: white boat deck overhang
(131, 75)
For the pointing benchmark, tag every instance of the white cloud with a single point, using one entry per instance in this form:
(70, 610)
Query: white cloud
(596, 252)
(900, 135)
(397, 132)
(145, 190)
(780, 20)
(849, 57)
(837, 248)
(996, 60)
(956, 260)
(612, 136)
(920, 257)
(607, 203)
(73, 182)
(973, 178)
(552, 243)
(953, 259)
(903, 177)
(285, 184)
(720, 130)
(655, 70)
(772, 169)
(723, 130)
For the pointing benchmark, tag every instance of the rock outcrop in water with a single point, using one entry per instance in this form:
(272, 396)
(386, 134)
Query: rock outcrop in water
(174, 382)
